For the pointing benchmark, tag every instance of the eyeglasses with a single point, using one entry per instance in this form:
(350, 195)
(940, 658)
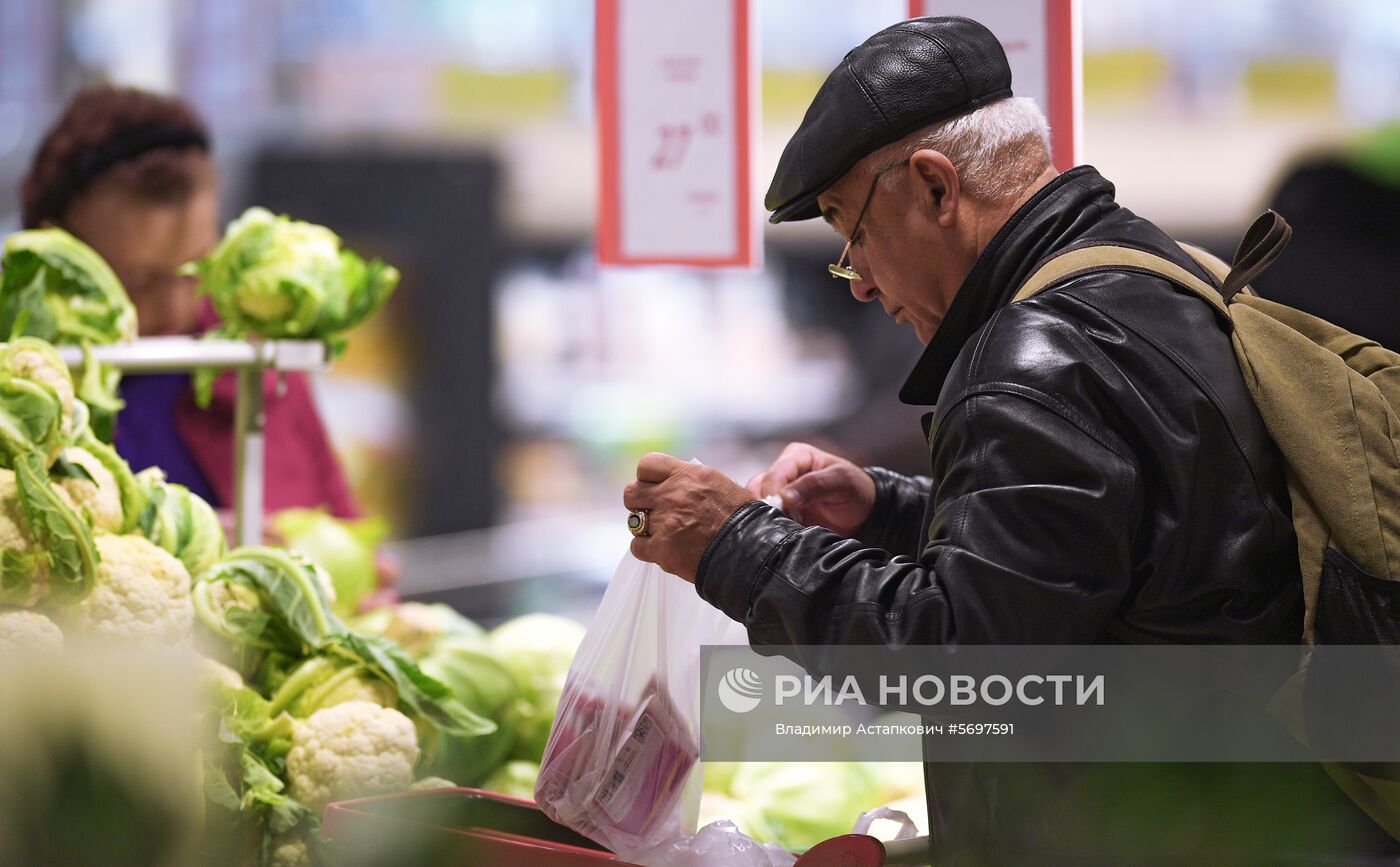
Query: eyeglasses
(839, 269)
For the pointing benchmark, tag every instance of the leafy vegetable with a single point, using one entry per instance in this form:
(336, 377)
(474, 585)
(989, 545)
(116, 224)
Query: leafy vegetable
(428, 698)
(277, 277)
(69, 555)
(56, 288)
(129, 492)
(418, 627)
(327, 680)
(69, 292)
(243, 773)
(480, 680)
(267, 598)
(261, 598)
(175, 519)
(36, 400)
(538, 649)
(345, 549)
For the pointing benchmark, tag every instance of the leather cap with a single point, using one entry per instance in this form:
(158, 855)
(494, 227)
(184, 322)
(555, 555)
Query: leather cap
(900, 80)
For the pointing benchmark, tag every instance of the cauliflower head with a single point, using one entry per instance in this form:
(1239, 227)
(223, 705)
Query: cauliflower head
(25, 631)
(35, 360)
(142, 594)
(351, 750)
(14, 536)
(290, 852)
(100, 498)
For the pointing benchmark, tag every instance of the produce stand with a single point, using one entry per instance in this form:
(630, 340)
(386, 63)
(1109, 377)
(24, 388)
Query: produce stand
(250, 358)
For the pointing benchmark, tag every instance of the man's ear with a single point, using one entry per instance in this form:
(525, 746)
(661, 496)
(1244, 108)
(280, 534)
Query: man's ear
(938, 183)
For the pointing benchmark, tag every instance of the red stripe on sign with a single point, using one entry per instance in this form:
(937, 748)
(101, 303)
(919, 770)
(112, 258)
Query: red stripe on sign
(916, 8)
(605, 80)
(1059, 73)
(743, 152)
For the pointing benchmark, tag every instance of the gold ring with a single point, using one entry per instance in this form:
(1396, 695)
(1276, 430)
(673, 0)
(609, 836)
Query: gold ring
(638, 522)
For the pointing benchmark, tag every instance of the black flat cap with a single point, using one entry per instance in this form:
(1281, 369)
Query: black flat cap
(901, 79)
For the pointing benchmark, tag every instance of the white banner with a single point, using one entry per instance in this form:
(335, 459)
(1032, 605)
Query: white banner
(677, 122)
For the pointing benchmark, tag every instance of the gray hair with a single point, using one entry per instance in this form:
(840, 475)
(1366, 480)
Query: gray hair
(998, 149)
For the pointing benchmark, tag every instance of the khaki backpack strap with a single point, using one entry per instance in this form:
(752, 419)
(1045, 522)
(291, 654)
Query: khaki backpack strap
(1261, 245)
(1108, 257)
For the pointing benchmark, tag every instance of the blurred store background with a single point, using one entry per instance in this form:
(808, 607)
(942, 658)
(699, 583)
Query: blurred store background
(497, 407)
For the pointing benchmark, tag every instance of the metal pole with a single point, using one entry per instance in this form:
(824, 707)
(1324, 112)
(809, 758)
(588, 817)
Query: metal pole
(248, 465)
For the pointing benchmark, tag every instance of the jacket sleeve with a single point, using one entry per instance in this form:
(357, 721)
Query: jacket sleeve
(896, 519)
(1029, 543)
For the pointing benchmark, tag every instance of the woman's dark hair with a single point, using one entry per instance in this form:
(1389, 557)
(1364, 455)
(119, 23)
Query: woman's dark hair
(145, 136)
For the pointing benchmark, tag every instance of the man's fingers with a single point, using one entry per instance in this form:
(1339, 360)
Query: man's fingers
(795, 462)
(657, 467)
(815, 486)
(639, 495)
(641, 548)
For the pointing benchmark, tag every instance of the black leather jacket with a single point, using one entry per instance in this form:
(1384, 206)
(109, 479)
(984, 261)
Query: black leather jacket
(1100, 473)
(1098, 468)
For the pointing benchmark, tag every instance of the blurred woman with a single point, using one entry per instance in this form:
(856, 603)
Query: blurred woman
(130, 173)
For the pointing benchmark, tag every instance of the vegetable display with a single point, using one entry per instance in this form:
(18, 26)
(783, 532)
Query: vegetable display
(301, 708)
(58, 289)
(512, 675)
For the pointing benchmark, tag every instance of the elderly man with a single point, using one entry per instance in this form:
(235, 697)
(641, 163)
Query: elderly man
(1099, 471)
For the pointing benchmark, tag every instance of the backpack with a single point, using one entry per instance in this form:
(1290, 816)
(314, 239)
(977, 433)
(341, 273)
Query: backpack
(1331, 402)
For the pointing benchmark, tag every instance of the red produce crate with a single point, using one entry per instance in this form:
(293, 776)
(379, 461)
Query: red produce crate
(455, 828)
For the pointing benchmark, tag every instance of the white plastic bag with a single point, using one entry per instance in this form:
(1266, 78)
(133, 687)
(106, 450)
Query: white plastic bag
(619, 764)
(718, 844)
(907, 829)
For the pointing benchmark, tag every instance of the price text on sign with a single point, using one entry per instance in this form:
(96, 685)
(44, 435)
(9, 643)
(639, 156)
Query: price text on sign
(1042, 44)
(675, 125)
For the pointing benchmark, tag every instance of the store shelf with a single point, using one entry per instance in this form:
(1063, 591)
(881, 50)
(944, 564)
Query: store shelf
(166, 354)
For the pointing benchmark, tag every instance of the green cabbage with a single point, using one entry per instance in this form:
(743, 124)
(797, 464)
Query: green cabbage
(345, 549)
(538, 649)
(56, 288)
(799, 804)
(514, 778)
(480, 681)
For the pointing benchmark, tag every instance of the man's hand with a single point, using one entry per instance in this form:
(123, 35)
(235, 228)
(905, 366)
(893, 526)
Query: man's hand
(818, 489)
(687, 504)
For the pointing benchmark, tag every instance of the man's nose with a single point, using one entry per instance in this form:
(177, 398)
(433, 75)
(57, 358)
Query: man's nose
(863, 289)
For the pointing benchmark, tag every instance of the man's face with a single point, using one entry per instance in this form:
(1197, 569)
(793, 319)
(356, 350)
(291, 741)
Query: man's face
(911, 248)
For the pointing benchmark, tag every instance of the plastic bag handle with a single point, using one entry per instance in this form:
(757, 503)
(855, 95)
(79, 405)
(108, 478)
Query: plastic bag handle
(907, 828)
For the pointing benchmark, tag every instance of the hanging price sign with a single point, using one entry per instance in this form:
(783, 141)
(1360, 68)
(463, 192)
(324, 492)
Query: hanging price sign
(1042, 43)
(676, 127)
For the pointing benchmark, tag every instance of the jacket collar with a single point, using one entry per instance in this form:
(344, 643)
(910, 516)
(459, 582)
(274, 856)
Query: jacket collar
(1057, 215)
